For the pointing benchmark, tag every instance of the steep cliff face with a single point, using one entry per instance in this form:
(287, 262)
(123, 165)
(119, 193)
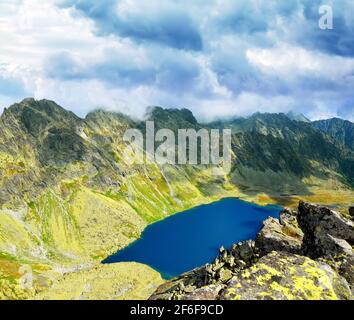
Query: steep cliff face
(68, 198)
(306, 255)
(340, 130)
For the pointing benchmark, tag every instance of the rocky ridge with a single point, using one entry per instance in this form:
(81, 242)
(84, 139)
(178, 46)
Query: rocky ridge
(305, 255)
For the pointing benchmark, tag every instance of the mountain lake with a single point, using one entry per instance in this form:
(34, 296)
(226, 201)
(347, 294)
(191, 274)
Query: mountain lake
(192, 238)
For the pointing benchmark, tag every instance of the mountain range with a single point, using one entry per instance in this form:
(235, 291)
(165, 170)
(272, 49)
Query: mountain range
(68, 198)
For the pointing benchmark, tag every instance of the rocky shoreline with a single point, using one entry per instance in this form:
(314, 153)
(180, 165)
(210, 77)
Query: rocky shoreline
(304, 255)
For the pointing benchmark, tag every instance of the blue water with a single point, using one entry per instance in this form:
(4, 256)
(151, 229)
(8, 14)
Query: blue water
(191, 239)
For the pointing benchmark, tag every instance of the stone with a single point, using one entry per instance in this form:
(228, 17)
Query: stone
(218, 266)
(167, 288)
(277, 236)
(244, 251)
(189, 289)
(336, 247)
(347, 270)
(162, 296)
(351, 212)
(285, 276)
(288, 217)
(230, 261)
(322, 228)
(210, 292)
(225, 275)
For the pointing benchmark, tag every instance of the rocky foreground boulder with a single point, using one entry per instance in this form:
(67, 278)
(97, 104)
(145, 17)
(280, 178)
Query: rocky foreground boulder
(283, 234)
(326, 232)
(351, 212)
(305, 255)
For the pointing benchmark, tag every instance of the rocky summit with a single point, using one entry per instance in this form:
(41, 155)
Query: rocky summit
(305, 255)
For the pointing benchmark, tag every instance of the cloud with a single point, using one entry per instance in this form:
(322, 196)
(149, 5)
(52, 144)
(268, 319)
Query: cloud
(113, 69)
(217, 57)
(337, 41)
(146, 22)
(290, 62)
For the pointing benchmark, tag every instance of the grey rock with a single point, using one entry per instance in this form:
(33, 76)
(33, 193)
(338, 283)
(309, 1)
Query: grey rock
(210, 292)
(347, 270)
(244, 252)
(224, 275)
(162, 296)
(280, 235)
(351, 212)
(336, 247)
(280, 275)
(322, 228)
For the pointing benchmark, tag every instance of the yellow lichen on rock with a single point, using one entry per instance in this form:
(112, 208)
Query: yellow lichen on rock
(283, 276)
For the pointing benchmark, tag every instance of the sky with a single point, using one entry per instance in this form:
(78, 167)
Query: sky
(218, 58)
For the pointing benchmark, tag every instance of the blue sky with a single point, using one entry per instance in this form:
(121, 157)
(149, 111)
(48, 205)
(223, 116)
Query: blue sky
(219, 58)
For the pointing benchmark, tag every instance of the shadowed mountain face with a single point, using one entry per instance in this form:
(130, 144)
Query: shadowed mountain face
(272, 144)
(266, 147)
(70, 196)
(340, 130)
(275, 143)
(295, 147)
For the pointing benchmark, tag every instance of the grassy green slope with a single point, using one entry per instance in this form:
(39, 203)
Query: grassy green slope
(67, 196)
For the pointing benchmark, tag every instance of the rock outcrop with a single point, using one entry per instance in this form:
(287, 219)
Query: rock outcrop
(280, 235)
(326, 232)
(351, 212)
(284, 276)
(305, 255)
(208, 281)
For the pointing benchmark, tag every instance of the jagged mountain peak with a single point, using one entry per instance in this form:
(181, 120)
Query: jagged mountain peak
(171, 118)
(265, 123)
(297, 117)
(34, 116)
(333, 121)
(48, 107)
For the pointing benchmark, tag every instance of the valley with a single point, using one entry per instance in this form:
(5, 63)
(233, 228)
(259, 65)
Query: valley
(68, 199)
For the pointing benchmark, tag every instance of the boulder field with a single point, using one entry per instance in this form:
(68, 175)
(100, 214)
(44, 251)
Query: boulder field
(304, 255)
